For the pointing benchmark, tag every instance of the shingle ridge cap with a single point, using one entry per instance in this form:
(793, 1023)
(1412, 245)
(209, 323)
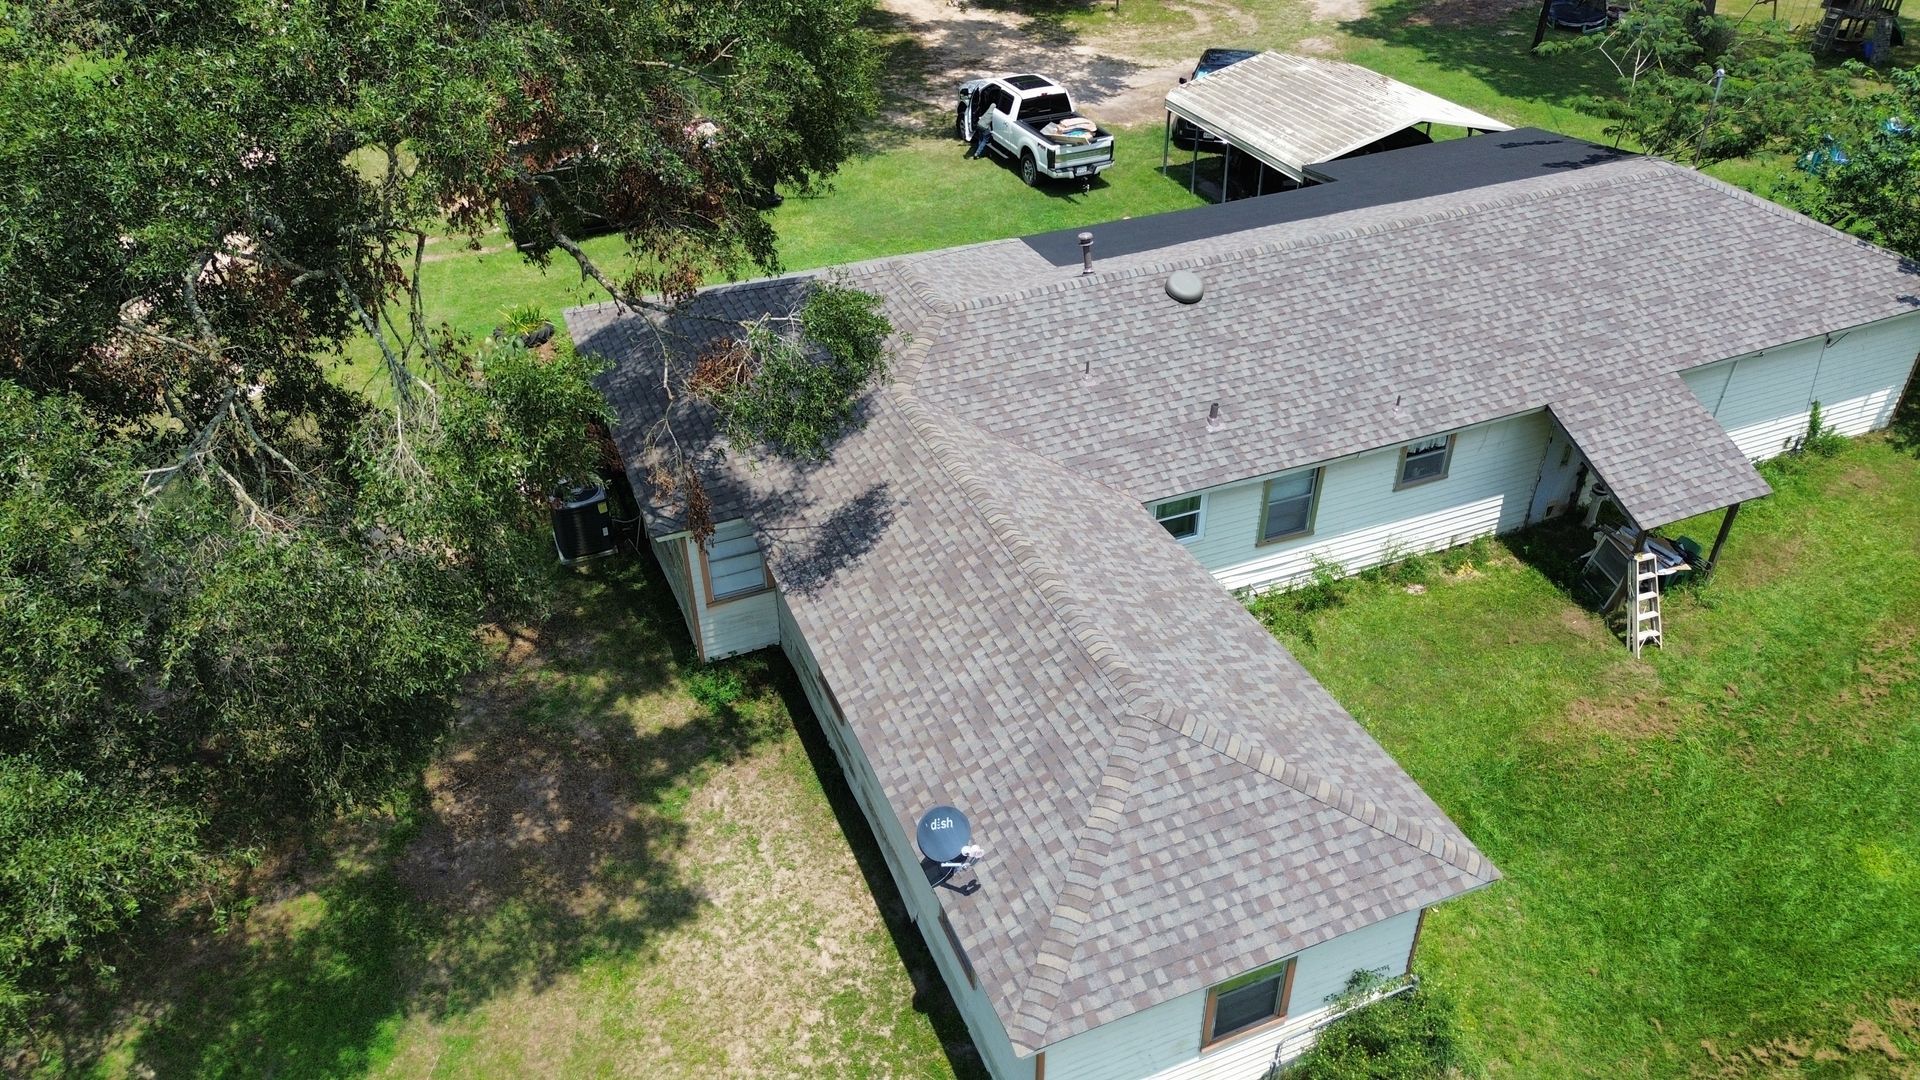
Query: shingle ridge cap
(1093, 642)
(1106, 656)
(1086, 632)
(1087, 867)
(1513, 193)
(1418, 833)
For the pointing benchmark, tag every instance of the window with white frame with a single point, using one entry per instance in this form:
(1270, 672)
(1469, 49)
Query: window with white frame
(1425, 461)
(734, 565)
(1182, 517)
(1290, 504)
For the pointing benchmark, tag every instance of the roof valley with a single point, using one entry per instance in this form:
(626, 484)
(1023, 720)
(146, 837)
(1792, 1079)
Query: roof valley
(1110, 661)
(1087, 867)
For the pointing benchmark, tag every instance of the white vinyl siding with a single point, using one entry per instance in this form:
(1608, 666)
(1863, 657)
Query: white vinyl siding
(736, 623)
(1763, 399)
(903, 865)
(1164, 1042)
(1361, 518)
(1864, 371)
(672, 556)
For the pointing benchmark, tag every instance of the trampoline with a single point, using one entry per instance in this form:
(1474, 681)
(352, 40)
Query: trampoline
(1577, 15)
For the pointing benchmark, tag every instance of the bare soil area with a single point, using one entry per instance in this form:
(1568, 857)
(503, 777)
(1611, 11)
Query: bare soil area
(1117, 80)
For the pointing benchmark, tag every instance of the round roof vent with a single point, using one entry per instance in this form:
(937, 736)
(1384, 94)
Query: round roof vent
(1186, 287)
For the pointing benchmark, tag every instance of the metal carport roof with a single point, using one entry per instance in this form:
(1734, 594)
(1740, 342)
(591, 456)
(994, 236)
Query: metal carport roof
(1294, 112)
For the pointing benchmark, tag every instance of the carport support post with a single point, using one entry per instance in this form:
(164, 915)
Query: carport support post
(1726, 526)
(1166, 143)
(1226, 173)
(1193, 170)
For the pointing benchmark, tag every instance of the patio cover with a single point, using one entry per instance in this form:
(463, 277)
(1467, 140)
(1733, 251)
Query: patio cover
(1659, 451)
(1294, 112)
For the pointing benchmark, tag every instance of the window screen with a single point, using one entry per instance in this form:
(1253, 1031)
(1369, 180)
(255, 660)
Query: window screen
(1237, 1010)
(1290, 505)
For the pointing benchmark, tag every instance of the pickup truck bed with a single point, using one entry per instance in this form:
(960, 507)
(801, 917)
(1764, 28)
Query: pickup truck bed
(1037, 126)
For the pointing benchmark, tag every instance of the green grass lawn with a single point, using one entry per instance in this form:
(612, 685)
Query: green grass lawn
(622, 864)
(1712, 859)
(919, 195)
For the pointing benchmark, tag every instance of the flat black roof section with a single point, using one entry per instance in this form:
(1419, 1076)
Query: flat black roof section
(1416, 172)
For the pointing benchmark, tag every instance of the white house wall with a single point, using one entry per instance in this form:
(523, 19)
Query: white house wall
(672, 557)
(1361, 520)
(1164, 1042)
(735, 626)
(989, 1037)
(1863, 373)
(731, 627)
(1763, 399)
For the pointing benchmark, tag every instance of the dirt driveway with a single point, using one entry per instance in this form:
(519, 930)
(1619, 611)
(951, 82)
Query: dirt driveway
(941, 43)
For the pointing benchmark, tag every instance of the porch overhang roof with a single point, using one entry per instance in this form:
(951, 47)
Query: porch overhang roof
(1661, 454)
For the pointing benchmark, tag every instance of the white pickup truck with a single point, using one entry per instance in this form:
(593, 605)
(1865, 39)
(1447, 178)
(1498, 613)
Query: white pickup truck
(1031, 120)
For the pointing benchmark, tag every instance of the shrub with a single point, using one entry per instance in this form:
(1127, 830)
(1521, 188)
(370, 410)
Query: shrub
(1413, 1035)
(1289, 610)
(715, 687)
(1821, 439)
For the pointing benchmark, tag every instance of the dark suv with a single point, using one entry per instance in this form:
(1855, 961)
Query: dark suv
(1185, 135)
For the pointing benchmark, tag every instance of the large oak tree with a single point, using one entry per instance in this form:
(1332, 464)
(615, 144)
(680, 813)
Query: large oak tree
(233, 595)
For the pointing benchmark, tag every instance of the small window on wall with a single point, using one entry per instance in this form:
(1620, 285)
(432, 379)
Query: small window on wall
(733, 563)
(1290, 505)
(1251, 1001)
(1425, 461)
(1182, 516)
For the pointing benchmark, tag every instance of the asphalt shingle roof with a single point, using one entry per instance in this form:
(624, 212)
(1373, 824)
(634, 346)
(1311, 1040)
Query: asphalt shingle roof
(1167, 796)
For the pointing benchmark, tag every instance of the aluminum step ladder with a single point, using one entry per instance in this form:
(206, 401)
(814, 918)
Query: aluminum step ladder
(1643, 619)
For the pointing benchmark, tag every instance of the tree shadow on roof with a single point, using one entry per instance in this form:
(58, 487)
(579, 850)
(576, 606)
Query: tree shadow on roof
(806, 558)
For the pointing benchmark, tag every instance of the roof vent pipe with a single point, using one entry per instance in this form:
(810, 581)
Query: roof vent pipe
(1186, 286)
(1213, 417)
(1086, 253)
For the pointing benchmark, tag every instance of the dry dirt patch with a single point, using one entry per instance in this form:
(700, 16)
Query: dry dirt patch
(1120, 78)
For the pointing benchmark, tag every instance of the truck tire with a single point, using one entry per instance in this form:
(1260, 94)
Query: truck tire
(1029, 169)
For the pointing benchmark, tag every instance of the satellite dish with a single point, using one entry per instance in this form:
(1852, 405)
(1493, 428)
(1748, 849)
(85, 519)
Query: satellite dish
(942, 833)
